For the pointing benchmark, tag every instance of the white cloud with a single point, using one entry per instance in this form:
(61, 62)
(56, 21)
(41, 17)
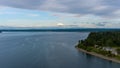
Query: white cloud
(33, 15)
(117, 12)
(100, 8)
(8, 12)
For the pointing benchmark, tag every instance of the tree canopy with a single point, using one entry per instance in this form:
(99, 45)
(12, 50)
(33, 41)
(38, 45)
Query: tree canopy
(102, 39)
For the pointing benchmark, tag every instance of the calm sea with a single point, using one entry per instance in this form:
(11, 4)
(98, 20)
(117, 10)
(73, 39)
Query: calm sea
(47, 50)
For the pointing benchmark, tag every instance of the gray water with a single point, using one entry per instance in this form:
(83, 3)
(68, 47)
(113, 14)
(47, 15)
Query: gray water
(47, 50)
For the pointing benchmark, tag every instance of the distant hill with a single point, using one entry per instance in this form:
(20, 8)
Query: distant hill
(56, 29)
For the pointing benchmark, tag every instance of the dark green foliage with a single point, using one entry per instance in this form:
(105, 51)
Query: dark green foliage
(118, 50)
(102, 39)
(96, 40)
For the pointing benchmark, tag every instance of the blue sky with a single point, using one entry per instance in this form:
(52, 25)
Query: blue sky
(80, 13)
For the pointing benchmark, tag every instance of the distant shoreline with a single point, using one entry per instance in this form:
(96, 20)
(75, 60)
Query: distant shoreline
(99, 55)
(60, 30)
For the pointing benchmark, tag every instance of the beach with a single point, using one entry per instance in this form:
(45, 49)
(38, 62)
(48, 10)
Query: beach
(99, 55)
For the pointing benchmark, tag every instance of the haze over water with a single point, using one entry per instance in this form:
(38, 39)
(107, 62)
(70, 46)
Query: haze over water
(47, 50)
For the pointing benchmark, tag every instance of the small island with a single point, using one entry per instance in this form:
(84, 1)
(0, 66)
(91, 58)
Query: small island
(105, 45)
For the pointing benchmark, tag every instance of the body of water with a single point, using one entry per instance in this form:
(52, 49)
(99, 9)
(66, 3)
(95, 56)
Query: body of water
(47, 50)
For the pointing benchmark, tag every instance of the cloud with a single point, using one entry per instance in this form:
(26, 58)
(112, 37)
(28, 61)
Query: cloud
(85, 13)
(100, 8)
(6, 12)
(33, 15)
(87, 25)
(25, 4)
(53, 5)
(116, 13)
(96, 7)
(66, 15)
(102, 24)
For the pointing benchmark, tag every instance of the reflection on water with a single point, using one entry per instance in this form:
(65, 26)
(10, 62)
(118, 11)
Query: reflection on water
(46, 50)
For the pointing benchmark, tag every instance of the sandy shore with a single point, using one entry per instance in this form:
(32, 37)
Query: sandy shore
(99, 55)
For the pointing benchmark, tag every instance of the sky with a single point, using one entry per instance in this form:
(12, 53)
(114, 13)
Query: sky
(48, 13)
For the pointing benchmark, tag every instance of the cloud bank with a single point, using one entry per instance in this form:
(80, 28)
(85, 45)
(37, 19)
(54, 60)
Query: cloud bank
(92, 13)
(104, 8)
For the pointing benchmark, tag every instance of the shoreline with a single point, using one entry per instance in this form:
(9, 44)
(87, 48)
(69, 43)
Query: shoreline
(99, 55)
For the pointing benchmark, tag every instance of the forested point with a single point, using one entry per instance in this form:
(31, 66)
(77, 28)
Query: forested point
(111, 39)
(105, 43)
